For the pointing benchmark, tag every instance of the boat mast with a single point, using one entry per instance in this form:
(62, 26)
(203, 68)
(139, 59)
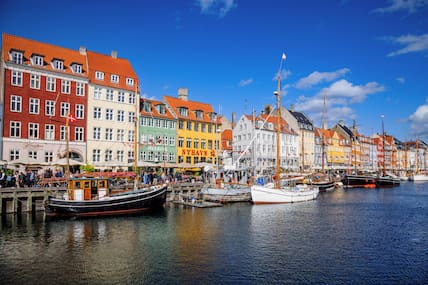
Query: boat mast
(417, 154)
(137, 101)
(322, 136)
(278, 129)
(67, 150)
(383, 145)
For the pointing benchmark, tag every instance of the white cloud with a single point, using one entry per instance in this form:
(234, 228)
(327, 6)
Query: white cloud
(419, 120)
(411, 6)
(339, 96)
(245, 82)
(401, 79)
(317, 77)
(343, 89)
(411, 44)
(284, 74)
(216, 7)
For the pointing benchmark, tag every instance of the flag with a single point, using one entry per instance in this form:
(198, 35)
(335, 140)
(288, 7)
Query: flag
(71, 118)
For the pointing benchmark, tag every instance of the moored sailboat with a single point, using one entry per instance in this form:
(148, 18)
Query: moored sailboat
(277, 193)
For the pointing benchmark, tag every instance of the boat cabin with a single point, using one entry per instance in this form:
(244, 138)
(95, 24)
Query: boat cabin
(89, 188)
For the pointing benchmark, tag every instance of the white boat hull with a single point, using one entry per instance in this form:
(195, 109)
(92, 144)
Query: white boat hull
(269, 195)
(419, 177)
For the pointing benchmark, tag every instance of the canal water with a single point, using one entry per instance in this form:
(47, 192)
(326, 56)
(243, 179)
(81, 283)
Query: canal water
(358, 236)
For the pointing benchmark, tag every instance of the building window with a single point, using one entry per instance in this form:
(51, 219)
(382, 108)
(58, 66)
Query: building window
(162, 109)
(34, 107)
(181, 124)
(183, 111)
(50, 108)
(109, 95)
(96, 155)
(114, 78)
(158, 123)
(97, 93)
(131, 117)
(49, 132)
(79, 134)
(109, 134)
(99, 75)
(108, 155)
(15, 103)
(121, 116)
(16, 78)
(196, 127)
(80, 89)
(120, 135)
(109, 114)
(80, 111)
(48, 156)
(65, 109)
(129, 81)
(199, 115)
(172, 141)
(62, 133)
(17, 57)
(32, 154)
(15, 129)
(195, 143)
(97, 133)
(50, 84)
(131, 98)
(65, 86)
(121, 97)
(188, 143)
(13, 154)
(189, 126)
(38, 60)
(203, 144)
(77, 68)
(120, 155)
(97, 113)
(35, 81)
(33, 130)
(58, 64)
(130, 156)
(130, 136)
(203, 127)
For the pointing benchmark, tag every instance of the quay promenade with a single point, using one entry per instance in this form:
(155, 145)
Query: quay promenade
(31, 199)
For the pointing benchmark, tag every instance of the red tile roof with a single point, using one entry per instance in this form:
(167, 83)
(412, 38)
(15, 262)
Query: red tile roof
(109, 65)
(154, 112)
(48, 51)
(192, 106)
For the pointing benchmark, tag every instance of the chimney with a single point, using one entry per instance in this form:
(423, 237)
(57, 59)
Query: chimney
(114, 54)
(82, 50)
(233, 119)
(292, 107)
(182, 94)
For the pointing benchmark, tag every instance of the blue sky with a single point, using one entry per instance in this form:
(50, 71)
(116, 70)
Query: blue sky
(367, 57)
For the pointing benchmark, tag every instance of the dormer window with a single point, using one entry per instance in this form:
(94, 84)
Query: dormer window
(58, 64)
(17, 56)
(161, 109)
(147, 107)
(114, 78)
(183, 111)
(199, 114)
(37, 60)
(270, 126)
(99, 75)
(129, 81)
(77, 68)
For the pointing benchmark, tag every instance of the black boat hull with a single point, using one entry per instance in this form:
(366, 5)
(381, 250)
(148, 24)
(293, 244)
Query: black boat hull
(359, 181)
(326, 186)
(133, 202)
(387, 182)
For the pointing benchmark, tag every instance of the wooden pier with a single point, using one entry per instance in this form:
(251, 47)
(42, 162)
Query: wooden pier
(32, 199)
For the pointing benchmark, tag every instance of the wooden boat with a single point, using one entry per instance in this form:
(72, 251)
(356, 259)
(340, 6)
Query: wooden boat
(92, 196)
(226, 193)
(387, 181)
(279, 192)
(359, 181)
(324, 182)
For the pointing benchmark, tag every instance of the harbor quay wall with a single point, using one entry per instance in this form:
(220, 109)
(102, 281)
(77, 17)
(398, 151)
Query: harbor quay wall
(32, 199)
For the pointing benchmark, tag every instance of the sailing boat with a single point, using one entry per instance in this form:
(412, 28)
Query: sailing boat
(281, 192)
(385, 179)
(93, 195)
(418, 176)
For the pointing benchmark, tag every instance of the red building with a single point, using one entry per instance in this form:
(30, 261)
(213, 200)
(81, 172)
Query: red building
(41, 85)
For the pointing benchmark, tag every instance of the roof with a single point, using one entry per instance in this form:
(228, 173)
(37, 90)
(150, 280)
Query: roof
(154, 111)
(48, 51)
(301, 118)
(285, 127)
(111, 66)
(191, 106)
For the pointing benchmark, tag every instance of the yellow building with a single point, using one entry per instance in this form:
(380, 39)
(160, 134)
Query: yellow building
(335, 148)
(197, 135)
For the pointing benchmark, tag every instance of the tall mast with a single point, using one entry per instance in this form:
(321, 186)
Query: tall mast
(67, 150)
(417, 155)
(278, 129)
(383, 144)
(137, 101)
(322, 135)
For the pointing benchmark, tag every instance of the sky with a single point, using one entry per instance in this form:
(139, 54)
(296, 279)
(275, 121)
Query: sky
(368, 59)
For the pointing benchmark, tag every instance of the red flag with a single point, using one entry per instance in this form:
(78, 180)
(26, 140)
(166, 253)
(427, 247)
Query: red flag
(71, 118)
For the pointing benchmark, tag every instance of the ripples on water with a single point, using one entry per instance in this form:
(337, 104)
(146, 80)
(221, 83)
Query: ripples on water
(359, 236)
